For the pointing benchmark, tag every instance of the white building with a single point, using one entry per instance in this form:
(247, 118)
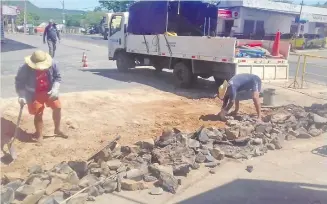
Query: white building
(267, 17)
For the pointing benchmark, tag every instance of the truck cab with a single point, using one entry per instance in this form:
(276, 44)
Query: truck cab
(117, 33)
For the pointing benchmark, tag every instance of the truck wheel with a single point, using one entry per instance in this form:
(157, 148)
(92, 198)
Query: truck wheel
(219, 81)
(183, 75)
(124, 61)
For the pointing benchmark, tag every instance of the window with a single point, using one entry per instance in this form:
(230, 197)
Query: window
(248, 27)
(260, 27)
(115, 24)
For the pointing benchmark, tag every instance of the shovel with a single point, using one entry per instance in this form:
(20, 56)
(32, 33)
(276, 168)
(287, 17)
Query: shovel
(11, 149)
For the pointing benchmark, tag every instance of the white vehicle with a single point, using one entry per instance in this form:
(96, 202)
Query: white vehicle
(191, 56)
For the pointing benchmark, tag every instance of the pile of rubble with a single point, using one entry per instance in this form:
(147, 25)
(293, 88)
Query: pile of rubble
(157, 164)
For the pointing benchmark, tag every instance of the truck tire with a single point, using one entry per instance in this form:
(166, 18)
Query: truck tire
(219, 81)
(183, 75)
(124, 61)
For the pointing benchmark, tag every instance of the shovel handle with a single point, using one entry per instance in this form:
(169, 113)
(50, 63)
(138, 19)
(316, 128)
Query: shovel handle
(17, 123)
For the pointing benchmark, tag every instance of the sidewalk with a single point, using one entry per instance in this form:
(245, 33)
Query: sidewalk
(294, 175)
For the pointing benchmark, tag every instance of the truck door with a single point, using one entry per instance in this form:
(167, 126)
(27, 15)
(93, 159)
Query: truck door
(116, 33)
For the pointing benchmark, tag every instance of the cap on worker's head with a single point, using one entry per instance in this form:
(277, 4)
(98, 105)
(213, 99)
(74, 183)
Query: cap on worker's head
(222, 90)
(39, 60)
(51, 21)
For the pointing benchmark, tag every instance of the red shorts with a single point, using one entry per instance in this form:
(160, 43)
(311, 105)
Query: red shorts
(42, 99)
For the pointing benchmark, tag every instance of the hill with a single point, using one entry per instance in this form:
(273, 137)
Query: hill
(44, 13)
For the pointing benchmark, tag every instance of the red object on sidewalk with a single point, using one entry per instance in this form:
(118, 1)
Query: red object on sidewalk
(275, 48)
(85, 62)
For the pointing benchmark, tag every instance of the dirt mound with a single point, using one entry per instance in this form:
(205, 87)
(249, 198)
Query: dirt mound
(93, 118)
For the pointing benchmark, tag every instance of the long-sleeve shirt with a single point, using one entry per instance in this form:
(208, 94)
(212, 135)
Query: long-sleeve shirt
(51, 33)
(25, 81)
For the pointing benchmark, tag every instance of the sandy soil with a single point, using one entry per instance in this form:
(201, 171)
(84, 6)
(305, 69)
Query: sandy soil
(91, 119)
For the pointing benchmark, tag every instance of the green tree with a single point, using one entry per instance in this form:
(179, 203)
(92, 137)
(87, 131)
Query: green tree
(31, 18)
(92, 18)
(116, 6)
(74, 20)
(97, 8)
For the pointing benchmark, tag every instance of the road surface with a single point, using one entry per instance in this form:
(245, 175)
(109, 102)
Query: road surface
(101, 73)
(314, 65)
(94, 39)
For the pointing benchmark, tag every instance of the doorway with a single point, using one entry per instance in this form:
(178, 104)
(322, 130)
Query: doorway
(260, 30)
(248, 28)
(228, 27)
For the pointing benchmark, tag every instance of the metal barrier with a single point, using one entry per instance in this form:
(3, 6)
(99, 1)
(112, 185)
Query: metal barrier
(304, 73)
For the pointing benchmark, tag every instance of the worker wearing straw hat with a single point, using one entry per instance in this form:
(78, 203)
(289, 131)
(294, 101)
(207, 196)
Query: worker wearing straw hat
(228, 93)
(37, 85)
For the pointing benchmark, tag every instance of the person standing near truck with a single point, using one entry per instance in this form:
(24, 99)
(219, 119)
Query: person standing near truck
(228, 93)
(52, 34)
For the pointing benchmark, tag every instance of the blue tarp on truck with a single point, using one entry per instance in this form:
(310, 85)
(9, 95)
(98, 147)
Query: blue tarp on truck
(184, 17)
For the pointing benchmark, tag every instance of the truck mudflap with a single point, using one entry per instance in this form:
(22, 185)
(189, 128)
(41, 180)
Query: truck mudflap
(267, 72)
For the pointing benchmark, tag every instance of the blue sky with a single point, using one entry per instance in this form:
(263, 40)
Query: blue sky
(90, 4)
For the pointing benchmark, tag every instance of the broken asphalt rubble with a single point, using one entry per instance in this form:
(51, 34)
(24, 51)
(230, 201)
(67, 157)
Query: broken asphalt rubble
(156, 164)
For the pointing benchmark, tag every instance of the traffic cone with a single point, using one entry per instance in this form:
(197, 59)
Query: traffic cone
(275, 48)
(83, 57)
(85, 62)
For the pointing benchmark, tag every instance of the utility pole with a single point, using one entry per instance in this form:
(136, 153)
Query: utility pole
(299, 22)
(298, 26)
(25, 17)
(63, 13)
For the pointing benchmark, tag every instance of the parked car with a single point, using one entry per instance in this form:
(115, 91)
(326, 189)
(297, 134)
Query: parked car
(304, 41)
(20, 28)
(40, 28)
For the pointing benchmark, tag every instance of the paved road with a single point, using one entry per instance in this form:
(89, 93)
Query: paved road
(102, 73)
(314, 65)
(94, 39)
(68, 57)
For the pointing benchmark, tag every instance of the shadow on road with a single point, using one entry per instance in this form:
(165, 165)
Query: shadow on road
(321, 151)
(12, 45)
(163, 81)
(261, 191)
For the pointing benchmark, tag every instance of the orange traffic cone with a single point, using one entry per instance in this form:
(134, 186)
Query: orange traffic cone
(83, 57)
(275, 48)
(85, 62)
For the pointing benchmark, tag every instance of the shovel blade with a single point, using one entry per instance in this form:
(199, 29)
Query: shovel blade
(12, 152)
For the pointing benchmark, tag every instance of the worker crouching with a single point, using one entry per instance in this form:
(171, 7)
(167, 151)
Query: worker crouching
(37, 85)
(228, 92)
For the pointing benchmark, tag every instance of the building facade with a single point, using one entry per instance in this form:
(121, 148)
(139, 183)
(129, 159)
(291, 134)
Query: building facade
(265, 18)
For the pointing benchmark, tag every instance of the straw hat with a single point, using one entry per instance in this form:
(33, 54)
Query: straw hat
(222, 89)
(39, 60)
